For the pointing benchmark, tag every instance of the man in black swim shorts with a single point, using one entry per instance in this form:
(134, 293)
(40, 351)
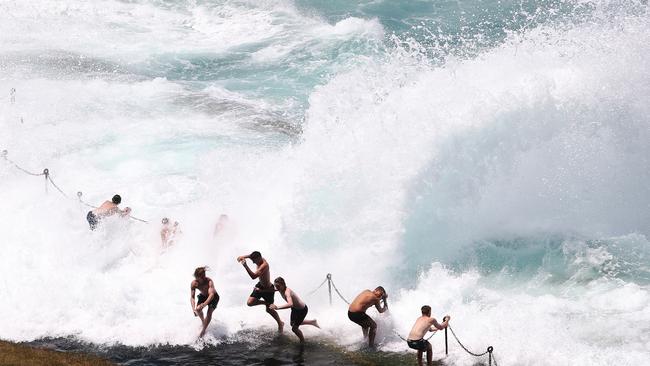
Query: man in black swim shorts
(358, 307)
(107, 208)
(422, 325)
(264, 292)
(207, 297)
(298, 308)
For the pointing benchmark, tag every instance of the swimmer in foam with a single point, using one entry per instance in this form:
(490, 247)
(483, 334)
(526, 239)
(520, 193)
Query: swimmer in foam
(361, 303)
(422, 325)
(208, 296)
(298, 308)
(264, 292)
(168, 232)
(220, 225)
(108, 208)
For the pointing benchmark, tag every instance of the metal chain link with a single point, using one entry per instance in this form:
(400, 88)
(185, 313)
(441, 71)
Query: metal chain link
(338, 293)
(48, 177)
(465, 348)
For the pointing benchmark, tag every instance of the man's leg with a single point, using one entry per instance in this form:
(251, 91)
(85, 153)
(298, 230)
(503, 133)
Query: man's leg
(419, 357)
(252, 301)
(275, 316)
(429, 355)
(298, 332)
(208, 319)
(200, 314)
(372, 333)
(311, 322)
(365, 331)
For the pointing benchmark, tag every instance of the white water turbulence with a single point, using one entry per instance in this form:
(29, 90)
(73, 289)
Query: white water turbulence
(501, 178)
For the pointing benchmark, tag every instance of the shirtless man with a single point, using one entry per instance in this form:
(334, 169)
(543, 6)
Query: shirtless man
(358, 307)
(168, 232)
(107, 208)
(220, 225)
(208, 296)
(298, 308)
(264, 288)
(422, 325)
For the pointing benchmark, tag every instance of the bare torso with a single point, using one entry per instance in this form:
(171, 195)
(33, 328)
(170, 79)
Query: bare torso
(265, 275)
(420, 328)
(297, 302)
(106, 209)
(363, 301)
(203, 287)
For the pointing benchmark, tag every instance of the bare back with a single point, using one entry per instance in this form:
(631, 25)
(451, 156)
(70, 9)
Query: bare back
(106, 209)
(421, 327)
(295, 300)
(363, 301)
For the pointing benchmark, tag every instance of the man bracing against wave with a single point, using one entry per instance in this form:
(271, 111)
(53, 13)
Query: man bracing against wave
(361, 303)
(422, 325)
(298, 308)
(207, 297)
(106, 209)
(264, 288)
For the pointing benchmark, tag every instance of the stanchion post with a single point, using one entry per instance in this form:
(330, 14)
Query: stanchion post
(446, 344)
(329, 286)
(46, 173)
(490, 349)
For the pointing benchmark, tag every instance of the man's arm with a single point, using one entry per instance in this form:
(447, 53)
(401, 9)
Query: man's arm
(289, 304)
(243, 257)
(442, 326)
(382, 309)
(192, 292)
(263, 267)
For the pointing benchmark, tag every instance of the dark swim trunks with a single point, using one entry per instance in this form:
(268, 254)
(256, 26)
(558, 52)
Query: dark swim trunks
(361, 318)
(213, 304)
(267, 294)
(93, 220)
(298, 315)
(420, 344)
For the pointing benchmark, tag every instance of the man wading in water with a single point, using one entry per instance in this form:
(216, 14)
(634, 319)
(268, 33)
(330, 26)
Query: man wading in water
(358, 307)
(107, 208)
(422, 325)
(208, 297)
(264, 288)
(298, 308)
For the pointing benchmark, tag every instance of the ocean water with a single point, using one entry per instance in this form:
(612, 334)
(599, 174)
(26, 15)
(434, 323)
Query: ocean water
(488, 158)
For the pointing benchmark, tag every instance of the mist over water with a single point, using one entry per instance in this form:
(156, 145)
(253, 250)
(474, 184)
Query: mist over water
(489, 159)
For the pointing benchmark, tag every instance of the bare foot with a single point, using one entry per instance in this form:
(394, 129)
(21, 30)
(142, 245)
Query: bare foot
(316, 324)
(281, 327)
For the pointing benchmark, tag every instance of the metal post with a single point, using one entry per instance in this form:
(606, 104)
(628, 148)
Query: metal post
(329, 286)
(446, 344)
(46, 173)
(490, 349)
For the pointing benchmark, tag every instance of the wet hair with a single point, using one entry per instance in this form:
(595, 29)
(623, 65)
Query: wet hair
(165, 220)
(380, 288)
(117, 199)
(426, 310)
(200, 271)
(255, 256)
(280, 280)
